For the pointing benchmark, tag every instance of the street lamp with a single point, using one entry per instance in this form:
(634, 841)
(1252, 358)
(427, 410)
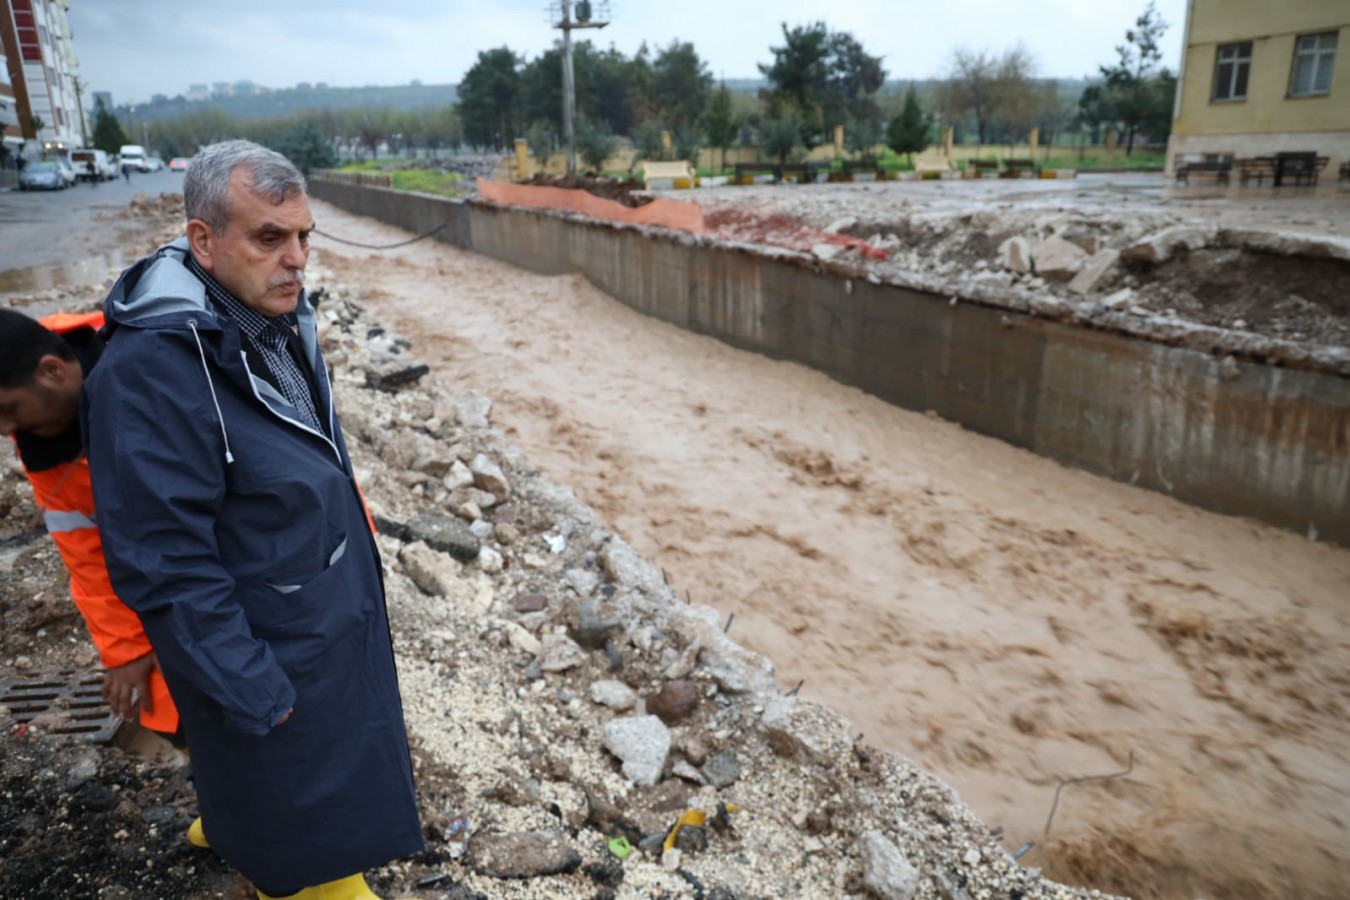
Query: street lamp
(588, 15)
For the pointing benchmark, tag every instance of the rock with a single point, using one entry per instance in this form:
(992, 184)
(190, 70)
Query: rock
(159, 815)
(691, 839)
(520, 638)
(887, 875)
(488, 476)
(432, 460)
(444, 533)
(560, 653)
(390, 375)
(529, 854)
(583, 581)
(629, 570)
(469, 512)
(839, 226)
(675, 702)
(593, 631)
(827, 251)
(490, 560)
(506, 533)
(434, 573)
(459, 476)
(1015, 254)
(1121, 299)
(528, 603)
(472, 410)
(481, 529)
(1163, 245)
(1057, 259)
(83, 767)
(683, 769)
(670, 859)
(1094, 270)
(613, 694)
(642, 744)
(723, 770)
(796, 730)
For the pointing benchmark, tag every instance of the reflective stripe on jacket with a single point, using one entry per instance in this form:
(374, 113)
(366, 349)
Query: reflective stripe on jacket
(66, 498)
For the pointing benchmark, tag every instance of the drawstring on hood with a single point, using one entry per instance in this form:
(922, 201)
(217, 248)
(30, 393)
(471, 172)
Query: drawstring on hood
(220, 417)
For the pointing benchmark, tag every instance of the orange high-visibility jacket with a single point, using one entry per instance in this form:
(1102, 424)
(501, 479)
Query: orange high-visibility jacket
(66, 499)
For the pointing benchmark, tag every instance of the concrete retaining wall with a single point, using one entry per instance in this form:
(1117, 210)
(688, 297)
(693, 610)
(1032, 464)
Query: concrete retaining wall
(1258, 440)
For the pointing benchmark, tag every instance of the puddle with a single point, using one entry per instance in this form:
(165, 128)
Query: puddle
(87, 271)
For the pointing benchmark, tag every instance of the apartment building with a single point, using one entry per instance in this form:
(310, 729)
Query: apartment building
(1259, 78)
(42, 70)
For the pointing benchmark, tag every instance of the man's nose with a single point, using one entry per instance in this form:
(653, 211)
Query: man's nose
(296, 255)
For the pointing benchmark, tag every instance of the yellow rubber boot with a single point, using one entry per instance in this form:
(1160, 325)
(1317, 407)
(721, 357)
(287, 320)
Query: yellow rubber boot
(353, 887)
(196, 836)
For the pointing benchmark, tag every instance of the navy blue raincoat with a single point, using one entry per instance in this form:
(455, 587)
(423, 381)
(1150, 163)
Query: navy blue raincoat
(239, 536)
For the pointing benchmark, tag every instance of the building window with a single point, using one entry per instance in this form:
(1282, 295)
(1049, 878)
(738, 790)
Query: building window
(1314, 58)
(1234, 64)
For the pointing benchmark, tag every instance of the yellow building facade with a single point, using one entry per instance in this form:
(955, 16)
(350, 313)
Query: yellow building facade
(1260, 77)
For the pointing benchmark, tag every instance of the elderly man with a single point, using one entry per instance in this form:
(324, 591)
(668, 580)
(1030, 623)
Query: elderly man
(233, 526)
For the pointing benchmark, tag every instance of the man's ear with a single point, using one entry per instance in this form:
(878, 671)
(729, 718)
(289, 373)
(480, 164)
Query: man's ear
(55, 373)
(201, 240)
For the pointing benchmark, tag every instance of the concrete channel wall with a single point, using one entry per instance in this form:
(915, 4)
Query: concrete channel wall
(1259, 440)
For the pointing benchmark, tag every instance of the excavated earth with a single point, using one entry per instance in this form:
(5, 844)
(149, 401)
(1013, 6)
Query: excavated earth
(566, 708)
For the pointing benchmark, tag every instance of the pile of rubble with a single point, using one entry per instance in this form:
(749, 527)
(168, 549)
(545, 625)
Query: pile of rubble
(1223, 279)
(579, 730)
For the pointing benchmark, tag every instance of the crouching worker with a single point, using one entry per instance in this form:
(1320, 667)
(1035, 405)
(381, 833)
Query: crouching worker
(43, 366)
(232, 524)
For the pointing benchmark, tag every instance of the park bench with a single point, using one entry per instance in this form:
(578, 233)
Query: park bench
(1257, 168)
(1302, 166)
(1013, 168)
(980, 166)
(672, 172)
(1219, 168)
(803, 171)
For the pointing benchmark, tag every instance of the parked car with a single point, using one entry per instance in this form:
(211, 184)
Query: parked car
(179, 164)
(153, 164)
(67, 171)
(42, 176)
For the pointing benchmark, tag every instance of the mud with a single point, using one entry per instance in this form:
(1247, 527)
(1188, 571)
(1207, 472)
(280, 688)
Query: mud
(620, 191)
(1004, 621)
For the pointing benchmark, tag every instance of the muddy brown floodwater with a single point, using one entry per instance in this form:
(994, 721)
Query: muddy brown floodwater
(1005, 621)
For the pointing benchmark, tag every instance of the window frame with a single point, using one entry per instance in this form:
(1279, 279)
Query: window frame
(1237, 61)
(1317, 56)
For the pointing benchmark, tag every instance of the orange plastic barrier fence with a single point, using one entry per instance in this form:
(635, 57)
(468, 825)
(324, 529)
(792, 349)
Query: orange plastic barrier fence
(660, 213)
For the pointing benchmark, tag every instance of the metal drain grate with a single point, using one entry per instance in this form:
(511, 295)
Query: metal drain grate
(74, 700)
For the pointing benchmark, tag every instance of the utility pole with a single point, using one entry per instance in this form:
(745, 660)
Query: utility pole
(79, 102)
(589, 15)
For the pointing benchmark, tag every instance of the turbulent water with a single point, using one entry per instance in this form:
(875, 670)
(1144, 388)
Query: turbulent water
(1005, 621)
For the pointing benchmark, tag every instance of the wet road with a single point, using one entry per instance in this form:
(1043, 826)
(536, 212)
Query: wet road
(46, 228)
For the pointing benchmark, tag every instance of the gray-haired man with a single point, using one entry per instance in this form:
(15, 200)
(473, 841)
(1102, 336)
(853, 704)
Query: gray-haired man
(233, 526)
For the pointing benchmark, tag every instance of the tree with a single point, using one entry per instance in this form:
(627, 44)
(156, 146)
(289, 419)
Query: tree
(1140, 90)
(779, 137)
(489, 98)
(680, 85)
(108, 134)
(823, 79)
(969, 89)
(594, 144)
(648, 140)
(34, 125)
(305, 145)
(719, 121)
(908, 132)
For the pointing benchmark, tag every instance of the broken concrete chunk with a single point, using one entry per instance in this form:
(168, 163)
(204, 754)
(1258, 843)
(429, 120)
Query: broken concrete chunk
(488, 476)
(560, 653)
(642, 743)
(887, 875)
(1056, 259)
(1015, 254)
(1097, 267)
(434, 572)
(444, 533)
(1163, 245)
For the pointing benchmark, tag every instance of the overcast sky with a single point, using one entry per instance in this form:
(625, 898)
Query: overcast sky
(136, 48)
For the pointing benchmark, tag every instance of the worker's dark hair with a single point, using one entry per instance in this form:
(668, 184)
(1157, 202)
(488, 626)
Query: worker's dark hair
(24, 341)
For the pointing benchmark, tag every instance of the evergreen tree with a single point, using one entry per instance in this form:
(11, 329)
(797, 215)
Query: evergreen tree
(719, 121)
(908, 132)
(1140, 90)
(306, 146)
(108, 134)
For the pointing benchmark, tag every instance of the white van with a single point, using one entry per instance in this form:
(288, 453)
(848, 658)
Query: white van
(104, 170)
(135, 155)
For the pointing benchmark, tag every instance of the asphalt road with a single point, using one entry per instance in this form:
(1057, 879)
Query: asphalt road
(49, 228)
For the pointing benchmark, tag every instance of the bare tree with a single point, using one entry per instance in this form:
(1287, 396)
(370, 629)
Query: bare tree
(969, 89)
(997, 92)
